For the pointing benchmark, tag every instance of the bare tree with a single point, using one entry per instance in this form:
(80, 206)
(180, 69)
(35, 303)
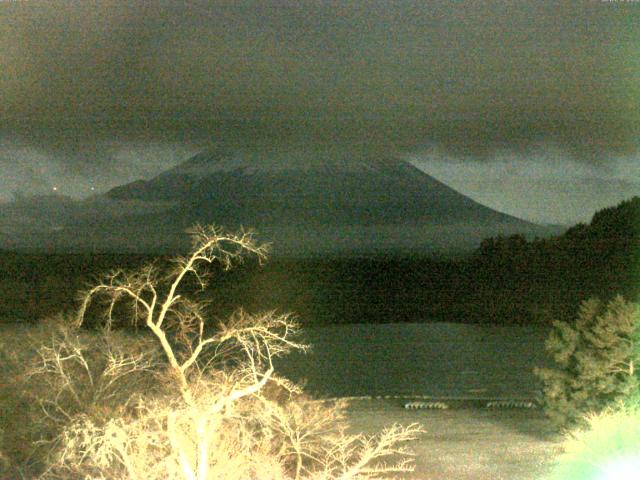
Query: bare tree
(222, 422)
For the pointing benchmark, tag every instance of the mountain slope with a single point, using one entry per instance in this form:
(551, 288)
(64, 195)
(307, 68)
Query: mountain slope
(340, 191)
(314, 203)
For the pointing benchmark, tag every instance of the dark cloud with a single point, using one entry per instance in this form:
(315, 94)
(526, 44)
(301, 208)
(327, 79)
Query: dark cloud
(471, 76)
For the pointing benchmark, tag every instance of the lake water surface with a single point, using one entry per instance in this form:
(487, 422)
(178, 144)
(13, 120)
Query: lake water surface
(436, 359)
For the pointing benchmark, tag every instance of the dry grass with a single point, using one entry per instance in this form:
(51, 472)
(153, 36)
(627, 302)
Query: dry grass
(468, 444)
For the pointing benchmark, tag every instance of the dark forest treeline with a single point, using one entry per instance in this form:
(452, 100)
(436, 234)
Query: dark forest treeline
(554, 275)
(33, 285)
(507, 280)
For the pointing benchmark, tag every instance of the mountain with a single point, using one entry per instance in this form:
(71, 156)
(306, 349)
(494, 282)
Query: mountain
(321, 202)
(307, 204)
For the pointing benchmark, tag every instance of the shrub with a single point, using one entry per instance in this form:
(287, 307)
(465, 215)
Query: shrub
(62, 372)
(596, 359)
(20, 416)
(607, 449)
(213, 408)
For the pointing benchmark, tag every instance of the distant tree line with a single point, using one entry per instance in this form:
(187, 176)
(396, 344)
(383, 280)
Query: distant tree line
(600, 259)
(507, 280)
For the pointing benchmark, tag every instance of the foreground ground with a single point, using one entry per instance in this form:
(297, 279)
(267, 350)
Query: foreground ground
(464, 365)
(467, 443)
(467, 362)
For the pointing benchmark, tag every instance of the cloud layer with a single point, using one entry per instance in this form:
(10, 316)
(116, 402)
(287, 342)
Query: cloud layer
(472, 77)
(545, 187)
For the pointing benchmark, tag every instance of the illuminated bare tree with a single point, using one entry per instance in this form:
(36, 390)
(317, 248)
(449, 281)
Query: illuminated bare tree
(222, 422)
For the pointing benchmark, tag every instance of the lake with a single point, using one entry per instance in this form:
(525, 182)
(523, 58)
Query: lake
(433, 359)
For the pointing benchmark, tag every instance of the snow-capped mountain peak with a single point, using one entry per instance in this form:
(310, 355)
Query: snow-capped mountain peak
(310, 201)
(215, 161)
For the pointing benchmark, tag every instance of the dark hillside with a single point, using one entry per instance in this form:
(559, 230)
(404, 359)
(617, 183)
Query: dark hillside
(599, 259)
(508, 280)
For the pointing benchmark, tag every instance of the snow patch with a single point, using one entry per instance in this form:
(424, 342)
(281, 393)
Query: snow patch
(209, 162)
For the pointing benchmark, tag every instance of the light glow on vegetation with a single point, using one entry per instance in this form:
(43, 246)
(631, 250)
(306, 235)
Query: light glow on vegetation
(189, 402)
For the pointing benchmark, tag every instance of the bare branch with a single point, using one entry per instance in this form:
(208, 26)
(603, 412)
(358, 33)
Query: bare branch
(216, 417)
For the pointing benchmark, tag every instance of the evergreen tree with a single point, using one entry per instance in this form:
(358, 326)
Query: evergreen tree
(597, 360)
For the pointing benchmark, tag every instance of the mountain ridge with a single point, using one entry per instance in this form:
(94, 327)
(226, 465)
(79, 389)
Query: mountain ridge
(371, 189)
(305, 204)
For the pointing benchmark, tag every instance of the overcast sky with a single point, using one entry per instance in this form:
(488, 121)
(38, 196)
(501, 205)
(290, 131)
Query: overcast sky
(532, 108)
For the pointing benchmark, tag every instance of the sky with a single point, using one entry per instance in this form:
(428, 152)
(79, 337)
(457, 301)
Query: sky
(532, 108)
